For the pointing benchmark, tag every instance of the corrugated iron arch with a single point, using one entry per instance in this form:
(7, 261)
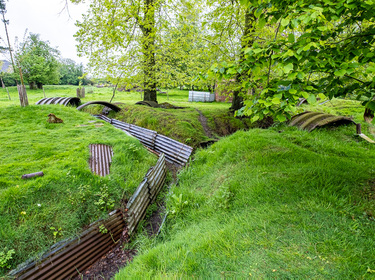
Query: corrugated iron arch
(66, 101)
(104, 103)
(311, 120)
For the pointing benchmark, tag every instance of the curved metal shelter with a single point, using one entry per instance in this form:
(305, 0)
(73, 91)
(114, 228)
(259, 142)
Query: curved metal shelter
(66, 101)
(311, 120)
(148, 103)
(104, 103)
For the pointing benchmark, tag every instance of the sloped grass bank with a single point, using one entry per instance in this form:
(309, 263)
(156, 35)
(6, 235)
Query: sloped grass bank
(183, 124)
(263, 204)
(37, 212)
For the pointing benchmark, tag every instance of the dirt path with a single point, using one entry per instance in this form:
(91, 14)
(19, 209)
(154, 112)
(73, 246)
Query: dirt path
(203, 121)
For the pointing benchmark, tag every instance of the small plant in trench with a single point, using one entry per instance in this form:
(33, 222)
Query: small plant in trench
(105, 202)
(56, 232)
(103, 229)
(5, 257)
(177, 204)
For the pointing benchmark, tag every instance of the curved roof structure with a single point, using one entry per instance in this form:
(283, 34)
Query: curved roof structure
(311, 120)
(104, 103)
(66, 101)
(148, 103)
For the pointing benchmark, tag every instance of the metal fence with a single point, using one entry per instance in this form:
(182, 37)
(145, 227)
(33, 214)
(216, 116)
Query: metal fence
(201, 96)
(175, 152)
(67, 259)
(71, 257)
(145, 194)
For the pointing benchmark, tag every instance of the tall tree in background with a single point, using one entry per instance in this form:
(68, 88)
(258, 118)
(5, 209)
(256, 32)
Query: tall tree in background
(113, 34)
(38, 61)
(232, 26)
(70, 71)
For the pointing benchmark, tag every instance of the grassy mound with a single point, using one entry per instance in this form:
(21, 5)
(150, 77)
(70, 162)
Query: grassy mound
(37, 212)
(278, 203)
(183, 124)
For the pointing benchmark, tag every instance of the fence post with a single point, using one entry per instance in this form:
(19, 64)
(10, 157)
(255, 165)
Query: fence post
(23, 95)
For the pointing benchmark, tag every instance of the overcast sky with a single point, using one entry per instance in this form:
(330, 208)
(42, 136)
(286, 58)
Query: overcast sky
(43, 17)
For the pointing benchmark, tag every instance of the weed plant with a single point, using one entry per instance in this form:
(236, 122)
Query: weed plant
(279, 203)
(38, 212)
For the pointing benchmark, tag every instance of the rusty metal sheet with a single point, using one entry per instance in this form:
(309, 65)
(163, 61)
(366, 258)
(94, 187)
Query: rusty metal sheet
(100, 159)
(311, 120)
(104, 103)
(175, 152)
(67, 258)
(145, 194)
(65, 101)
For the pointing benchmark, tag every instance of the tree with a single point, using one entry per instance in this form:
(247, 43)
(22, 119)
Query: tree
(321, 48)
(114, 34)
(234, 29)
(70, 72)
(38, 61)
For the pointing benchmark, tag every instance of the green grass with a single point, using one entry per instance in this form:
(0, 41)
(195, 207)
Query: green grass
(182, 124)
(278, 203)
(66, 197)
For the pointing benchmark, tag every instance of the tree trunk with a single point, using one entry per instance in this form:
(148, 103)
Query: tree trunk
(149, 51)
(246, 41)
(32, 85)
(39, 85)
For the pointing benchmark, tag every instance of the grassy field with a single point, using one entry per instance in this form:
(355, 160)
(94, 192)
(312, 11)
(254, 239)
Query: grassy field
(278, 203)
(37, 212)
(189, 129)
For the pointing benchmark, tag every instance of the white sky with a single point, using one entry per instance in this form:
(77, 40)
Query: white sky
(43, 17)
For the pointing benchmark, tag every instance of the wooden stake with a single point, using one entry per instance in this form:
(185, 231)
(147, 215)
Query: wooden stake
(359, 129)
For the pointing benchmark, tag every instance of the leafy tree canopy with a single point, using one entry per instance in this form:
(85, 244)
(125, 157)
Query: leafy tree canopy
(70, 71)
(320, 48)
(38, 61)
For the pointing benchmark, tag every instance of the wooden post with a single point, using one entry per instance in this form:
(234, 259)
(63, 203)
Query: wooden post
(81, 92)
(44, 93)
(3, 85)
(8, 93)
(358, 127)
(23, 95)
(22, 91)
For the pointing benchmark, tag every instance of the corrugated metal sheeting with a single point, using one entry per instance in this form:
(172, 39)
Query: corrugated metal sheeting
(311, 120)
(104, 103)
(145, 194)
(201, 96)
(71, 101)
(69, 258)
(175, 152)
(100, 159)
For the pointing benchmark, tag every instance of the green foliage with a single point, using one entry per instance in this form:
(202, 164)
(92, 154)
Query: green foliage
(177, 204)
(9, 79)
(70, 72)
(57, 232)
(5, 257)
(320, 48)
(38, 61)
(105, 202)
